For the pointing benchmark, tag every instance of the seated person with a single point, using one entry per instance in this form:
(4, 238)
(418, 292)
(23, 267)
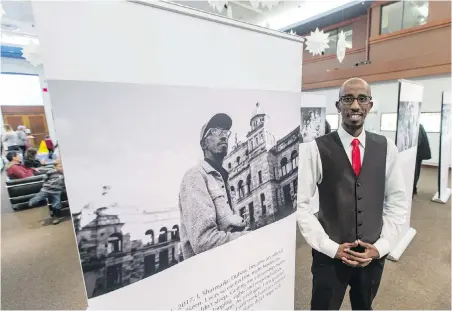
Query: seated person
(30, 159)
(14, 169)
(51, 190)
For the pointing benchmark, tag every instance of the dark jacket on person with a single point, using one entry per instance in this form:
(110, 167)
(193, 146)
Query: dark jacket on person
(53, 182)
(32, 163)
(423, 145)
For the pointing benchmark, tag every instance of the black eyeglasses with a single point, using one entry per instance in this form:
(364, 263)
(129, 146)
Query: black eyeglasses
(349, 99)
(218, 132)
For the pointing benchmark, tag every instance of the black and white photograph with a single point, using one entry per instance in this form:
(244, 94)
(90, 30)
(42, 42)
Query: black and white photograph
(312, 123)
(160, 174)
(407, 125)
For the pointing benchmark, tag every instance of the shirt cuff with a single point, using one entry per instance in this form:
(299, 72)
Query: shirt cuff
(382, 245)
(329, 248)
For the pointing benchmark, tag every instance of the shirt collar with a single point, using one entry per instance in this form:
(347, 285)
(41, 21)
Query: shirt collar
(347, 139)
(209, 168)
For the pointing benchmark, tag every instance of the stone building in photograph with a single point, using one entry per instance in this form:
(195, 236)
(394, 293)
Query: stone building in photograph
(111, 259)
(263, 172)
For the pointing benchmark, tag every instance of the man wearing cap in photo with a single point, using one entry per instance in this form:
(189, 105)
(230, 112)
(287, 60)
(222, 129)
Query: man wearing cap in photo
(208, 218)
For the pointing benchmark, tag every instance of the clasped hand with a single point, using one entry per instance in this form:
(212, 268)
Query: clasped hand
(356, 259)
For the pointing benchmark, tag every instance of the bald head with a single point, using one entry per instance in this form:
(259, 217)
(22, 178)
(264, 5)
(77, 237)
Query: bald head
(355, 101)
(352, 83)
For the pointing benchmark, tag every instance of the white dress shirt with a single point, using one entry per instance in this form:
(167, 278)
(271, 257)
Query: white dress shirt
(395, 208)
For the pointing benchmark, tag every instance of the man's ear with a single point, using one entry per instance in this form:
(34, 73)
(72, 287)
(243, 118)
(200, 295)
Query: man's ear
(337, 107)
(371, 104)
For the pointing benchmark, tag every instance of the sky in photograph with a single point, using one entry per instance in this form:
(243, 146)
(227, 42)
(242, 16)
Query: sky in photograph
(141, 139)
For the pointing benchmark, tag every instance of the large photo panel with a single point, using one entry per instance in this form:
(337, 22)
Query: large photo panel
(150, 194)
(410, 99)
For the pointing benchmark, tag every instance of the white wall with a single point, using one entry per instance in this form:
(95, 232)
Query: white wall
(385, 94)
(35, 97)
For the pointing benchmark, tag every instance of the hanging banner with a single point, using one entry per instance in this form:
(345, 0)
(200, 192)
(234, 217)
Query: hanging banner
(313, 116)
(443, 194)
(407, 132)
(313, 124)
(180, 167)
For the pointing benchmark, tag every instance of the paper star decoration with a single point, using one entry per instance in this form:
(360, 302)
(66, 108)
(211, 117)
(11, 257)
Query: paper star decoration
(317, 42)
(269, 4)
(255, 3)
(32, 53)
(342, 45)
(229, 11)
(218, 5)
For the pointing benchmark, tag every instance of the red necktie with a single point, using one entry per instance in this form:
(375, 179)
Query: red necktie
(356, 156)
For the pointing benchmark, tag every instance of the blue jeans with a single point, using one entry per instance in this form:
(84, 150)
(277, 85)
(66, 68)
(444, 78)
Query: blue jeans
(40, 197)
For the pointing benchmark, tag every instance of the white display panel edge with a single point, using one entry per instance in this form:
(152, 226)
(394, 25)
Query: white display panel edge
(444, 192)
(408, 91)
(134, 43)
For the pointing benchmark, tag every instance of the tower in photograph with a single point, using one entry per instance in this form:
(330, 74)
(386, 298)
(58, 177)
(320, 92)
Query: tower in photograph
(263, 172)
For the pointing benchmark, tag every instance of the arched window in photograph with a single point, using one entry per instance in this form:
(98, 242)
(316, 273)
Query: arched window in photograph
(163, 235)
(264, 208)
(260, 176)
(257, 141)
(284, 166)
(238, 160)
(175, 233)
(248, 184)
(149, 237)
(229, 165)
(294, 159)
(252, 145)
(241, 189)
(114, 243)
(247, 152)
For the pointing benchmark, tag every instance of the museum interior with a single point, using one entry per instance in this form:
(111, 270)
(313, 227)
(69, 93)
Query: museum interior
(44, 244)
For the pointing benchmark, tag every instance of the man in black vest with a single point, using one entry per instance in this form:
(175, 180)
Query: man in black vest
(362, 204)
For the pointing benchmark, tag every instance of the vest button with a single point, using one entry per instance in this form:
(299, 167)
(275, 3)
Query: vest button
(360, 236)
(359, 211)
(360, 224)
(360, 197)
(358, 184)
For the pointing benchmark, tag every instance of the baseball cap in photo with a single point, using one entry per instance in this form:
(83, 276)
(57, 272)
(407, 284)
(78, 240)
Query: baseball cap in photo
(220, 120)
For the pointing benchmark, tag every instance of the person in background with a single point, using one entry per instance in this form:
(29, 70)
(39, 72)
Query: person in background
(30, 138)
(51, 190)
(30, 159)
(14, 169)
(21, 138)
(423, 153)
(362, 204)
(50, 146)
(327, 127)
(9, 138)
